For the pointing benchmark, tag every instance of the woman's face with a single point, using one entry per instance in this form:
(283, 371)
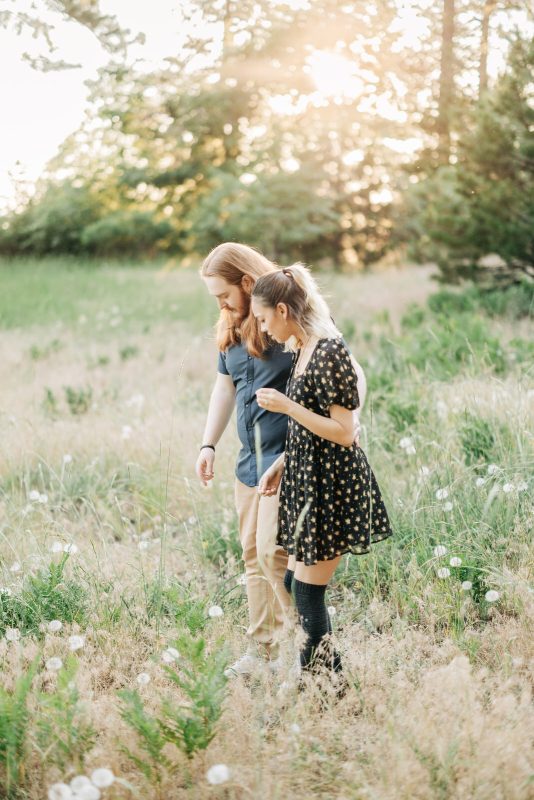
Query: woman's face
(272, 320)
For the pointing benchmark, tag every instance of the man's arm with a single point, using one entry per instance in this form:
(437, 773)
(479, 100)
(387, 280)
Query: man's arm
(221, 406)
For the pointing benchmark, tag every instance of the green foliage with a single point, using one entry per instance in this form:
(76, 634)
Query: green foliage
(189, 725)
(78, 400)
(63, 734)
(125, 233)
(37, 353)
(45, 596)
(478, 439)
(14, 723)
(49, 404)
(174, 601)
(128, 351)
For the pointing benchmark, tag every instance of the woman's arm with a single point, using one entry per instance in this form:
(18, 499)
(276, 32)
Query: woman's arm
(337, 428)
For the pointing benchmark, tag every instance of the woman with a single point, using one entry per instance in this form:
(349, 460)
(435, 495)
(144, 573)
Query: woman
(330, 503)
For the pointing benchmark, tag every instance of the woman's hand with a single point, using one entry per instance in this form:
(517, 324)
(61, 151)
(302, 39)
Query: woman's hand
(273, 400)
(270, 480)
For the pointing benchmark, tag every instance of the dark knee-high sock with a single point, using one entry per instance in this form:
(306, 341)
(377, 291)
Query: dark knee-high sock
(288, 580)
(314, 618)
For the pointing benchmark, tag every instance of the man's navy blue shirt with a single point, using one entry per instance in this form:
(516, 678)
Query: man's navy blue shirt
(248, 375)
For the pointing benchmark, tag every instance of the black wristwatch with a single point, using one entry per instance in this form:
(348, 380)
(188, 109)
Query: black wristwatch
(211, 446)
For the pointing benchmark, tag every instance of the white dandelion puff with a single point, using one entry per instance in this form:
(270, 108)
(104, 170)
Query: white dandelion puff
(242, 580)
(191, 520)
(508, 487)
(70, 548)
(405, 442)
(217, 774)
(440, 550)
(56, 547)
(67, 458)
(443, 572)
(410, 450)
(441, 409)
(492, 469)
(59, 791)
(54, 664)
(442, 494)
(15, 567)
(215, 611)
(6, 590)
(55, 625)
(295, 728)
(480, 482)
(43, 499)
(467, 586)
(143, 678)
(143, 545)
(12, 634)
(492, 596)
(102, 777)
(455, 561)
(80, 782)
(34, 495)
(76, 642)
(88, 792)
(448, 506)
(522, 486)
(424, 471)
(170, 655)
(126, 431)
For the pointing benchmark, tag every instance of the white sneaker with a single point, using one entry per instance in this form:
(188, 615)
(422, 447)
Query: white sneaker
(248, 664)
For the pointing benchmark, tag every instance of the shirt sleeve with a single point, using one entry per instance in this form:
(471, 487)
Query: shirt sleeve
(335, 379)
(221, 366)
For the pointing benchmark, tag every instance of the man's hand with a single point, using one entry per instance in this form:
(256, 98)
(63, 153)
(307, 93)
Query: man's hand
(204, 465)
(273, 400)
(270, 481)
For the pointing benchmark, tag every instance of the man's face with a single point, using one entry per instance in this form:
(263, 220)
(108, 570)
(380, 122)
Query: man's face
(232, 299)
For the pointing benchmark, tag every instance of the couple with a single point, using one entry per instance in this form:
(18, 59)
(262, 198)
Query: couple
(309, 496)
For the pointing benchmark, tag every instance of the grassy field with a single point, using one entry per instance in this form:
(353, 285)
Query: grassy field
(113, 559)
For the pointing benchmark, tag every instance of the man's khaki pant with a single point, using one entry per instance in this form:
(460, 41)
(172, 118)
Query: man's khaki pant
(265, 566)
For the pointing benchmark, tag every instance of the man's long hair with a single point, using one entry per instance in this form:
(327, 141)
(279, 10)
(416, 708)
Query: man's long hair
(231, 261)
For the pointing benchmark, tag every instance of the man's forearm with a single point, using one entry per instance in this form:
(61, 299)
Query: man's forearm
(219, 412)
(362, 383)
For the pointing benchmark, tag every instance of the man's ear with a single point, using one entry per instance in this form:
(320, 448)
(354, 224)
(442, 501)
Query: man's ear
(247, 284)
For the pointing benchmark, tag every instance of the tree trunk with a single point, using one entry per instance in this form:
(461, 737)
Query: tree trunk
(489, 6)
(446, 82)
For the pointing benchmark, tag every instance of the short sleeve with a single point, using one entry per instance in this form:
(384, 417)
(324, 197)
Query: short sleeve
(221, 366)
(334, 376)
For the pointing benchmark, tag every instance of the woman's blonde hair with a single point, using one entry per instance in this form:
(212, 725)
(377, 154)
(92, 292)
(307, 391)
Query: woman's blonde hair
(231, 261)
(296, 288)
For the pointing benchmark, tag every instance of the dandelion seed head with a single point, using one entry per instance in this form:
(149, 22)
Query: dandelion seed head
(447, 506)
(56, 547)
(89, 792)
(443, 572)
(76, 642)
(80, 782)
(480, 482)
(12, 634)
(442, 494)
(59, 791)
(455, 561)
(143, 678)
(55, 625)
(126, 431)
(467, 586)
(424, 471)
(405, 442)
(295, 728)
(54, 664)
(492, 469)
(410, 450)
(6, 590)
(242, 580)
(522, 486)
(440, 550)
(508, 487)
(143, 545)
(492, 596)
(215, 611)
(34, 495)
(67, 458)
(102, 777)
(70, 548)
(217, 774)
(170, 655)
(43, 499)
(15, 567)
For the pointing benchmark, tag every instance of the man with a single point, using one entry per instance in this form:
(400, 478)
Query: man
(249, 361)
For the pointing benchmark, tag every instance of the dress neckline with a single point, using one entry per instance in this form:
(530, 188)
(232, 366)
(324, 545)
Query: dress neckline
(294, 374)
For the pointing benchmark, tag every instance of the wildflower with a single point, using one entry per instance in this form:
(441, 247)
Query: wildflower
(480, 482)
(405, 442)
(410, 450)
(242, 580)
(67, 458)
(443, 572)
(440, 550)
(442, 494)
(295, 728)
(467, 586)
(126, 431)
(55, 625)
(143, 678)
(88, 792)
(54, 663)
(70, 548)
(191, 520)
(43, 499)
(219, 773)
(102, 777)
(170, 655)
(34, 495)
(56, 547)
(143, 545)
(455, 561)
(508, 487)
(215, 611)
(447, 506)
(59, 791)
(492, 469)
(5, 590)
(76, 642)
(12, 634)
(332, 611)
(424, 471)
(15, 567)
(79, 782)
(492, 596)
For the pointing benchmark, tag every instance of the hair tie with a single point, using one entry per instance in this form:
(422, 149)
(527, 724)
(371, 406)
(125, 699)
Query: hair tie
(287, 273)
